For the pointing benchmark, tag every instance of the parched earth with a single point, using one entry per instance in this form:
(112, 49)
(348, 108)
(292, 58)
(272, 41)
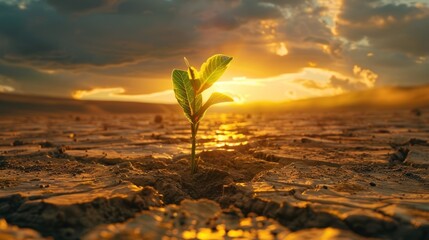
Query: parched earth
(336, 175)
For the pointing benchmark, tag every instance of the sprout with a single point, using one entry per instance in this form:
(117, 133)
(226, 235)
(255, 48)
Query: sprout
(188, 86)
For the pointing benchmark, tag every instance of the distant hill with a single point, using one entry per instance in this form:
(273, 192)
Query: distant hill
(377, 98)
(13, 104)
(387, 97)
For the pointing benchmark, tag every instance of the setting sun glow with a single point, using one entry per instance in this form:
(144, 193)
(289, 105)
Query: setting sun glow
(308, 83)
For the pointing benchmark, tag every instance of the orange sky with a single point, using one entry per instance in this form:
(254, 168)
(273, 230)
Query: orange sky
(309, 82)
(125, 50)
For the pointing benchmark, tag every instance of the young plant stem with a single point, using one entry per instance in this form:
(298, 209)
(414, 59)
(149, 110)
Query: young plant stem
(194, 163)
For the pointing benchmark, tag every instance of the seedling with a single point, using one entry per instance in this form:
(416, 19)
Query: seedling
(188, 87)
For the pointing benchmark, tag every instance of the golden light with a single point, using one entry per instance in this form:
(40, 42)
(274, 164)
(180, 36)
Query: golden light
(48, 71)
(281, 88)
(312, 64)
(106, 92)
(282, 50)
(421, 60)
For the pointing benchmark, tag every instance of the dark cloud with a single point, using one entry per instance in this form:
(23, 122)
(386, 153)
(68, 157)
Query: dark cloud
(346, 84)
(397, 27)
(64, 83)
(43, 38)
(318, 40)
(82, 6)
(393, 67)
(287, 3)
(132, 30)
(304, 24)
(163, 8)
(233, 14)
(27, 80)
(335, 82)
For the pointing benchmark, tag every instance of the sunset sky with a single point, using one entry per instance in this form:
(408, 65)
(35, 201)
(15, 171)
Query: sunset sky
(283, 50)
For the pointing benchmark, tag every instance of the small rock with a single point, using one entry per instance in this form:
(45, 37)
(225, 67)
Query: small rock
(417, 112)
(158, 119)
(383, 131)
(62, 149)
(46, 144)
(17, 143)
(271, 209)
(414, 176)
(372, 184)
(416, 141)
(67, 233)
(399, 156)
(417, 156)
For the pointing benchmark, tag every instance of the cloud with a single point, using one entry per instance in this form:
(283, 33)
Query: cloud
(312, 84)
(57, 47)
(79, 94)
(41, 37)
(234, 14)
(6, 84)
(345, 84)
(118, 94)
(4, 88)
(390, 26)
(133, 31)
(365, 76)
(81, 6)
(361, 79)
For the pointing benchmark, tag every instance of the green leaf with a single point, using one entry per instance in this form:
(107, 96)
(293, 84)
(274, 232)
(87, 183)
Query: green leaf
(196, 84)
(185, 94)
(194, 75)
(198, 105)
(212, 70)
(215, 98)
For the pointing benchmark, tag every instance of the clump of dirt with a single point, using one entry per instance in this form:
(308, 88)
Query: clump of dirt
(70, 221)
(399, 156)
(176, 186)
(12, 232)
(207, 183)
(297, 218)
(47, 144)
(202, 219)
(166, 182)
(217, 169)
(294, 218)
(241, 166)
(17, 143)
(158, 119)
(417, 112)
